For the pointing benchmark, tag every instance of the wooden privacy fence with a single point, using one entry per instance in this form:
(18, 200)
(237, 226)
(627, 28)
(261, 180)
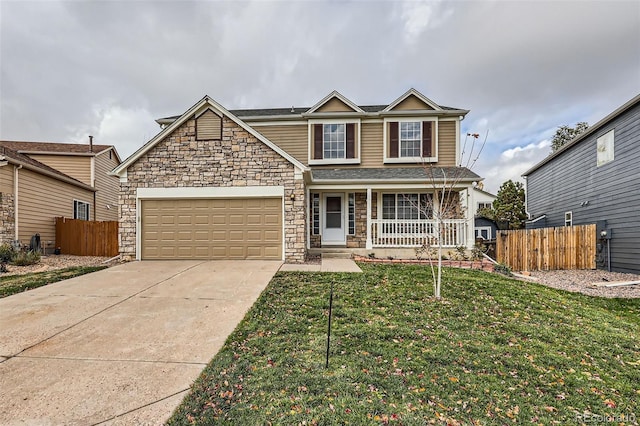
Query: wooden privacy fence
(86, 237)
(545, 249)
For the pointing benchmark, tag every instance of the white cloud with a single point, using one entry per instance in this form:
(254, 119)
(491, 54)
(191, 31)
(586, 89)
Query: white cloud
(125, 128)
(512, 162)
(419, 16)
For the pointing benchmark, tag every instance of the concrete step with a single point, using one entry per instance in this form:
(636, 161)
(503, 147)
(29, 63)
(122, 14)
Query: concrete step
(335, 254)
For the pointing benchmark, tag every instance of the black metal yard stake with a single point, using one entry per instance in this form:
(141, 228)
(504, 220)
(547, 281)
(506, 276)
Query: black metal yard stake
(329, 328)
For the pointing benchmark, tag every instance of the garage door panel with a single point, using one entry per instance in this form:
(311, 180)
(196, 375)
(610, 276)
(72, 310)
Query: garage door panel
(272, 219)
(237, 219)
(219, 219)
(234, 228)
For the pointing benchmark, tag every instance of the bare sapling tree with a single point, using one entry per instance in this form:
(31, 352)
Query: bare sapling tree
(446, 204)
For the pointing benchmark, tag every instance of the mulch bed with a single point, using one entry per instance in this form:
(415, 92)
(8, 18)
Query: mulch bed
(464, 264)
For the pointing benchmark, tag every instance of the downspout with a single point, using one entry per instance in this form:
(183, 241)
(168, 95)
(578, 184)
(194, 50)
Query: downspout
(15, 200)
(526, 198)
(93, 176)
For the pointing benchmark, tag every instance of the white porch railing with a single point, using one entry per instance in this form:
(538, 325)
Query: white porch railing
(414, 233)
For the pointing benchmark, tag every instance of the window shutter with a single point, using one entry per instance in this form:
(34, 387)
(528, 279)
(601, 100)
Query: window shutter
(426, 138)
(351, 140)
(393, 139)
(317, 141)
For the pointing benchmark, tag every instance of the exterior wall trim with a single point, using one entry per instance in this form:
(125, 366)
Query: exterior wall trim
(211, 192)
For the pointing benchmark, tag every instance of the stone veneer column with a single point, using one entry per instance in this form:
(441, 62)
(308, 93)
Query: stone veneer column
(7, 218)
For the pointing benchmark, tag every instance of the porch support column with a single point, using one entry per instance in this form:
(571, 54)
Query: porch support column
(470, 216)
(369, 243)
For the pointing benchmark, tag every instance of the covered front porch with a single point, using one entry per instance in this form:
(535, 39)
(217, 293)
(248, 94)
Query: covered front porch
(403, 215)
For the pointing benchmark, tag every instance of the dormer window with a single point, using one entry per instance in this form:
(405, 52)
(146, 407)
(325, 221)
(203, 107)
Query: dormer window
(334, 142)
(408, 141)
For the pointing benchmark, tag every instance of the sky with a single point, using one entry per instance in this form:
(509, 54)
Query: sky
(70, 69)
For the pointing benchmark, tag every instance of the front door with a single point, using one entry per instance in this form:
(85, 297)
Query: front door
(333, 223)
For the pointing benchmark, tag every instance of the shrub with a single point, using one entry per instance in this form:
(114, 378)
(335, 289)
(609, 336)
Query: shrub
(26, 258)
(502, 269)
(7, 252)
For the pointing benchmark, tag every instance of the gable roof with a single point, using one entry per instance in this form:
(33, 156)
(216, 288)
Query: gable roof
(299, 112)
(204, 103)
(591, 130)
(337, 95)
(19, 159)
(28, 147)
(413, 92)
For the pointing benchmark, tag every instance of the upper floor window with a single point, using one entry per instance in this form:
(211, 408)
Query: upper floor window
(334, 142)
(410, 141)
(605, 148)
(485, 205)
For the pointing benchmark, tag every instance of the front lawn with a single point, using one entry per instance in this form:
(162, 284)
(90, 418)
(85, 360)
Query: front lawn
(493, 351)
(12, 284)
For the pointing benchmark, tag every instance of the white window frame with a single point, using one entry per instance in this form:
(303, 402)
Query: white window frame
(568, 218)
(316, 161)
(406, 141)
(315, 213)
(484, 204)
(605, 147)
(400, 195)
(79, 203)
(386, 140)
(480, 229)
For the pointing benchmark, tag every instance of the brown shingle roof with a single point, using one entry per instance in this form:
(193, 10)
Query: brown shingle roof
(54, 147)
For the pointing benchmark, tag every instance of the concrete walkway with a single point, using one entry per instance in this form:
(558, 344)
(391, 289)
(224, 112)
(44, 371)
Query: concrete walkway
(119, 346)
(327, 265)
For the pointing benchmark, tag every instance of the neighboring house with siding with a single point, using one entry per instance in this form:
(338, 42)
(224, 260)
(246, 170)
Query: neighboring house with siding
(484, 228)
(595, 179)
(43, 180)
(277, 183)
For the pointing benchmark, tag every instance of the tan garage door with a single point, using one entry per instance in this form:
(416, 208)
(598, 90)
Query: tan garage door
(234, 228)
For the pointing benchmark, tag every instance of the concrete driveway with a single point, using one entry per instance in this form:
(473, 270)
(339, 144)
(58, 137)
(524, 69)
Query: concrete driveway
(122, 345)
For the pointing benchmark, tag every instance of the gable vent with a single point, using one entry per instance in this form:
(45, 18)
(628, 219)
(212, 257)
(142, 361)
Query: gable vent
(208, 126)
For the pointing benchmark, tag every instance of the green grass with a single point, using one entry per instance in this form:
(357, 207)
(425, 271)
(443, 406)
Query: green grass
(12, 284)
(493, 351)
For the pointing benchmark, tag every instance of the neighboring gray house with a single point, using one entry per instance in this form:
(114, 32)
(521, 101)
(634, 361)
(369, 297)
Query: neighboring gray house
(595, 179)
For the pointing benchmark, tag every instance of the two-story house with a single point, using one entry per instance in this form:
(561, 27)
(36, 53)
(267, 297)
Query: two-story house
(275, 183)
(43, 180)
(595, 179)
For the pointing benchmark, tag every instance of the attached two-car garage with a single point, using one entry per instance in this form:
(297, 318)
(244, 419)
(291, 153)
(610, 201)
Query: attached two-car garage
(211, 228)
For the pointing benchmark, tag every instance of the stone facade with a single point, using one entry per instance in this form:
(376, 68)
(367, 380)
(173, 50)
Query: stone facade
(237, 160)
(7, 218)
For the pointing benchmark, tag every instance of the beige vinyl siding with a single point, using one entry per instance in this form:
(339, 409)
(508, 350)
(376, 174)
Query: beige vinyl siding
(76, 166)
(371, 145)
(6, 179)
(335, 105)
(107, 187)
(294, 139)
(209, 126)
(447, 143)
(411, 103)
(40, 200)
